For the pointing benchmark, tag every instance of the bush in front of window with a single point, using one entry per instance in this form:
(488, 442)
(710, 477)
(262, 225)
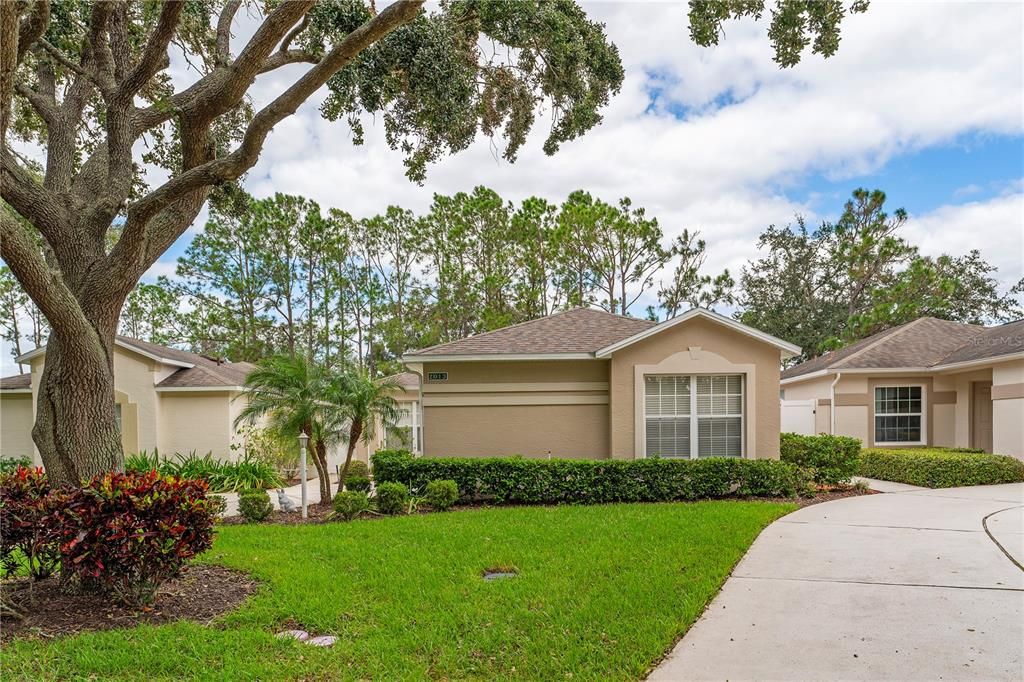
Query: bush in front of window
(939, 467)
(515, 480)
(832, 460)
(349, 504)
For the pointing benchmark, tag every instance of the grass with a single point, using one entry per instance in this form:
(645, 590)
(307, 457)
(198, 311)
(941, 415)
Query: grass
(939, 467)
(602, 593)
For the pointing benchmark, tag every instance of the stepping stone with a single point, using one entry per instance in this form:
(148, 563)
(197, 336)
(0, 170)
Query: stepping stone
(300, 635)
(322, 640)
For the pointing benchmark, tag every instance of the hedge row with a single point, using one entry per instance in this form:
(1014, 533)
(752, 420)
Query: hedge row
(514, 480)
(833, 459)
(939, 468)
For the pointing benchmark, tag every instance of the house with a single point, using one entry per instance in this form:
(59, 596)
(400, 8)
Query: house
(589, 384)
(928, 382)
(166, 399)
(175, 401)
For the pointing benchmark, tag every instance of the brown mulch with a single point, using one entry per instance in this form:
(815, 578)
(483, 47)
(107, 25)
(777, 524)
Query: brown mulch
(200, 594)
(317, 514)
(836, 494)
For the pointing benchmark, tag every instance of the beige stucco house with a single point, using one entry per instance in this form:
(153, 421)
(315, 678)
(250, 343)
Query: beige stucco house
(176, 402)
(167, 400)
(928, 382)
(589, 384)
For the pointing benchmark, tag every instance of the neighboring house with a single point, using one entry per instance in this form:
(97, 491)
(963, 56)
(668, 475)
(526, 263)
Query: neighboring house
(166, 399)
(928, 382)
(589, 384)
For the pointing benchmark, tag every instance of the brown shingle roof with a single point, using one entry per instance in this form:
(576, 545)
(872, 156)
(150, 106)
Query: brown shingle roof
(406, 379)
(580, 330)
(925, 342)
(995, 341)
(16, 382)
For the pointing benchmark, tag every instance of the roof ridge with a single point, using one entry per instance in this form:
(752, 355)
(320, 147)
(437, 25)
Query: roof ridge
(559, 313)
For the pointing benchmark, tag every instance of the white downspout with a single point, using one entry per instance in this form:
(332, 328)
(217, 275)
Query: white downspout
(832, 403)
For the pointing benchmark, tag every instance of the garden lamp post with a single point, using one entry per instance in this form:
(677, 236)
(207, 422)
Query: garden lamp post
(303, 440)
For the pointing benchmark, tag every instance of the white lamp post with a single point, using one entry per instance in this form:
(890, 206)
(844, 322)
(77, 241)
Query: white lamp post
(303, 440)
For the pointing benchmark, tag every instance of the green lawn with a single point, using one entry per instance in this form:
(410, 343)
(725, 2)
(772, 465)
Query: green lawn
(602, 593)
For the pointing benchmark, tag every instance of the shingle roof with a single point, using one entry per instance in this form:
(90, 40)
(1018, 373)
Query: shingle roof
(406, 379)
(580, 330)
(16, 382)
(925, 342)
(204, 373)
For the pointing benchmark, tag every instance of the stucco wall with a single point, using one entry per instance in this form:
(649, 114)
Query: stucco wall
(16, 426)
(517, 408)
(719, 347)
(1008, 409)
(198, 421)
(564, 431)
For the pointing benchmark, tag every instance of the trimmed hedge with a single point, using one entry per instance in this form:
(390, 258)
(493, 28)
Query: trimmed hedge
(832, 459)
(514, 480)
(939, 467)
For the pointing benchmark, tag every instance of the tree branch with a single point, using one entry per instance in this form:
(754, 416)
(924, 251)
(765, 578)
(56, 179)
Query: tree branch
(45, 285)
(294, 33)
(34, 202)
(242, 159)
(64, 60)
(227, 15)
(33, 26)
(281, 58)
(44, 107)
(154, 56)
(100, 47)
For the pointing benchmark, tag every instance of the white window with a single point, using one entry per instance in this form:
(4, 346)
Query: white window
(693, 415)
(117, 416)
(899, 414)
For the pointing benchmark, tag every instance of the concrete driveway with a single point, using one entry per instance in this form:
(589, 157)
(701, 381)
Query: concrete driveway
(909, 584)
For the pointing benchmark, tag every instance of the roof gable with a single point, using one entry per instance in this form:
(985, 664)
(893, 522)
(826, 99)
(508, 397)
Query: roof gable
(787, 348)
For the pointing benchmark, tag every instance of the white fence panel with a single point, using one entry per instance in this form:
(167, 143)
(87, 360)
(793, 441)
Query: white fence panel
(798, 417)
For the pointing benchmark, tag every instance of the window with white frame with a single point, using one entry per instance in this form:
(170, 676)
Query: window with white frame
(899, 414)
(693, 415)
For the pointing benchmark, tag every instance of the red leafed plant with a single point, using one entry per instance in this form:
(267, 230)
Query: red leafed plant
(25, 538)
(125, 534)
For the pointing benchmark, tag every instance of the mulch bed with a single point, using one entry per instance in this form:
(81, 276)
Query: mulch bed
(837, 494)
(317, 514)
(200, 594)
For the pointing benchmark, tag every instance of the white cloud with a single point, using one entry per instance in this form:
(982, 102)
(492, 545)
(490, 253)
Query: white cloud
(996, 227)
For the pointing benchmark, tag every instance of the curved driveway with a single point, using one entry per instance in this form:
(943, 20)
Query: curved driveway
(908, 584)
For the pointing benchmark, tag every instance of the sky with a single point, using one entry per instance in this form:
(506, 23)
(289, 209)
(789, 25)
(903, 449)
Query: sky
(924, 100)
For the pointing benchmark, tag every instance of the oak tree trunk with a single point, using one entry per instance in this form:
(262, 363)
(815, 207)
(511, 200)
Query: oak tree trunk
(76, 427)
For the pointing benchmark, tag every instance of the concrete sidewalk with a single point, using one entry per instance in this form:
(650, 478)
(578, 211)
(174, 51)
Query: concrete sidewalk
(910, 584)
(293, 492)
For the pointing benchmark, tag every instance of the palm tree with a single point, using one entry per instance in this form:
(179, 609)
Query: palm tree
(294, 394)
(364, 402)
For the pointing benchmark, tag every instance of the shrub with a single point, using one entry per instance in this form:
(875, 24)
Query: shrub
(220, 476)
(26, 539)
(537, 481)
(939, 468)
(357, 469)
(254, 505)
(392, 498)
(125, 534)
(441, 495)
(349, 504)
(832, 460)
(11, 464)
(218, 505)
(361, 483)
